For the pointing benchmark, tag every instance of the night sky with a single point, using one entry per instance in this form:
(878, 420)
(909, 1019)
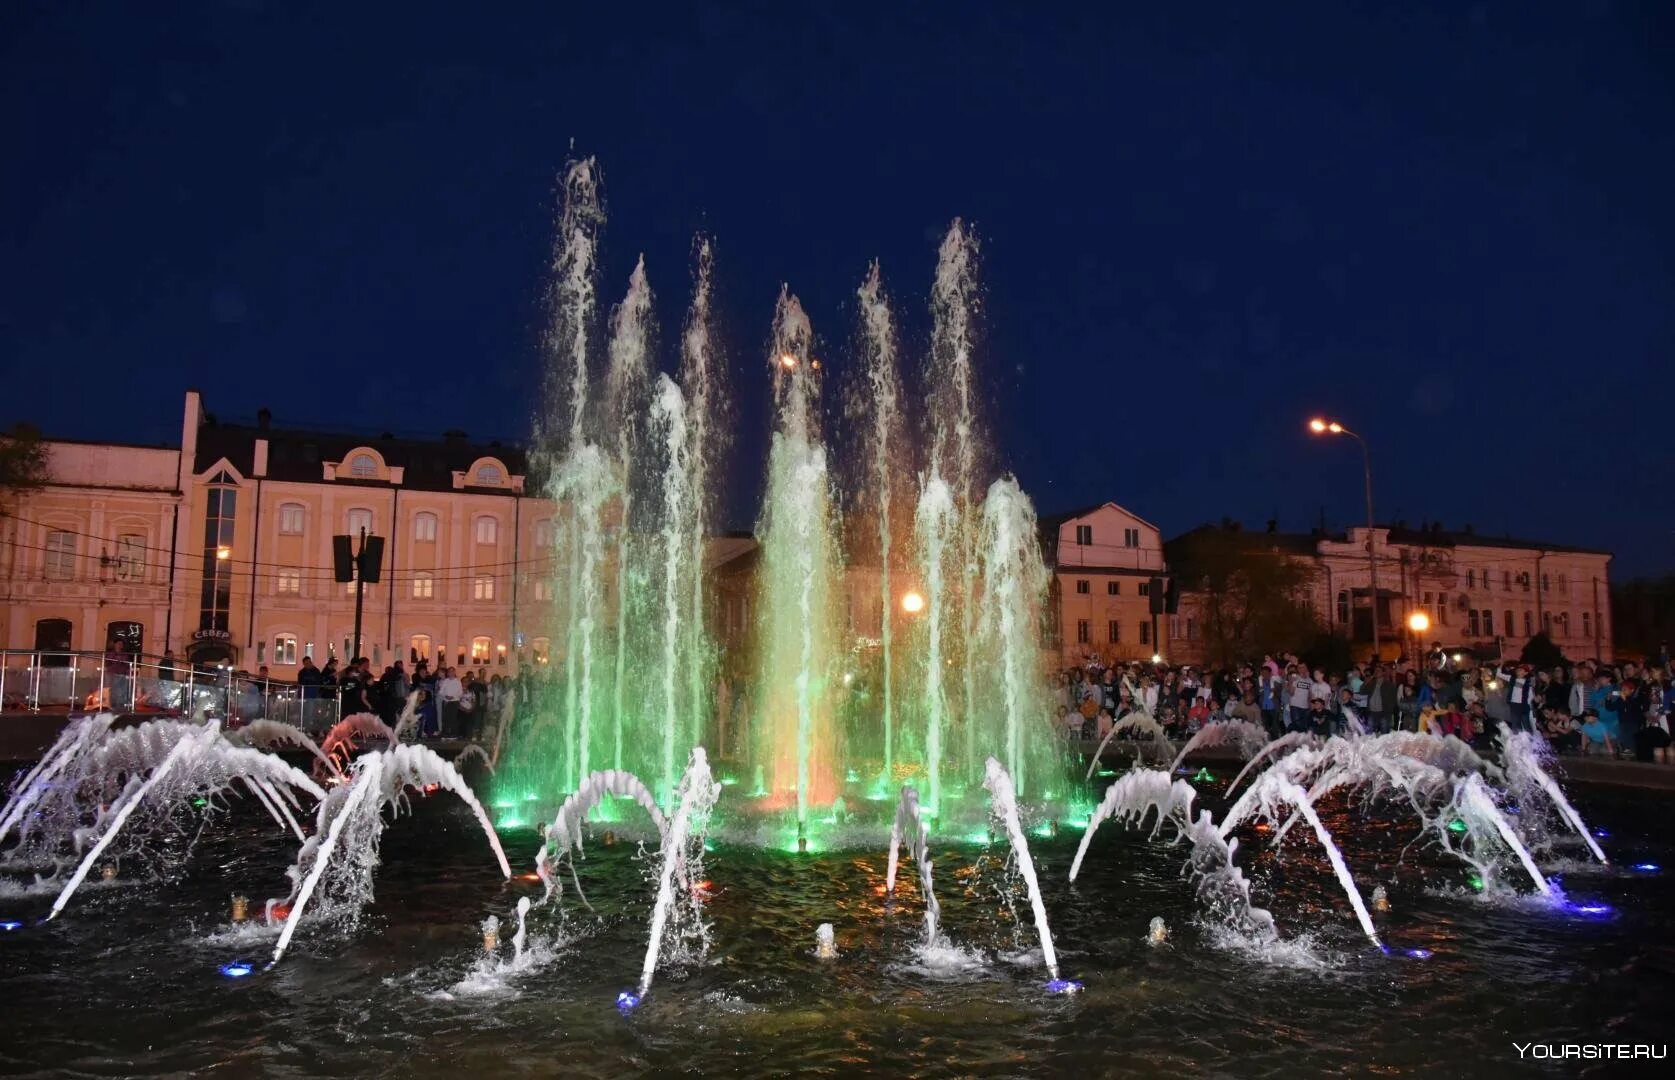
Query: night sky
(1450, 225)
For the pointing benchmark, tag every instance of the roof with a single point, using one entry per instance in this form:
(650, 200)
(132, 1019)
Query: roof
(1055, 520)
(295, 455)
(1309, 543)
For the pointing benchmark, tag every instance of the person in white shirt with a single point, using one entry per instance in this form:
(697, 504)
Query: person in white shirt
(448, 692)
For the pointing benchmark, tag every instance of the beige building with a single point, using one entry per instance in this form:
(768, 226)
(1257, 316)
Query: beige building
(1103, 561)
(221, 549)
(1485, 593)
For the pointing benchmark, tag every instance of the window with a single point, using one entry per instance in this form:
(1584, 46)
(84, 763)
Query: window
(1439, 612)
(1524, 582)
(1472, 624)
(1192, 629)
(1564, 624)
(544, 534)
(1529, 624)
(418, 648)
(1507, 625)
(130, 557)
(288, 581)
(290, 519)
(1082, 588)
(1174, 626)
(1545, 583)
(482, 587)
(61, 555)
(363, 467)
(1471, 579)
(1081, 631)
(1587, 625)
(285, 648)
(1506, 581)
(490, 476)
(1547, 623)
(1084, 535)
(542, 649)
(358, 520)
(1488, 623)
(1145, 633)
(423, 586)
(220, 512)
(543, 590)
(488, 530)
(1113, 588)
(1343, 605)
(1113, 631)
(424, 527)
(1561, 583)
(1131, 538)
(481, 648)
(1145, 588)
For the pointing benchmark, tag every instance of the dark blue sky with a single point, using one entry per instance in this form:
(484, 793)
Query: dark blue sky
(1449, 224)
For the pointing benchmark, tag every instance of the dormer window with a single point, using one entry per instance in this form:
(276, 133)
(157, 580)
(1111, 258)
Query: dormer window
(490, 476)
(363, 467)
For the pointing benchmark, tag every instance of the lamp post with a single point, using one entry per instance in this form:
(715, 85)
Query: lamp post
(1419, 623)
(1332, 427)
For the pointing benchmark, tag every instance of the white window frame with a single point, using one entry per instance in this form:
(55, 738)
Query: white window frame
(285, 649)
(424, 586)
(486, 529)
(293, 519)
(482, 587)
(58, 560)
(424, 527)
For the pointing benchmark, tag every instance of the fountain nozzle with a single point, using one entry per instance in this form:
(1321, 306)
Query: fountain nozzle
(1381, 899)
(491, 933)
(109, 872)
(1158, 932)
(610, 838)
(241, 908)
(1053, 827)
(825, 943)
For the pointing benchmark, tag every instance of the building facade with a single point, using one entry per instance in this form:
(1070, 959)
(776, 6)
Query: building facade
(1103, 560)
(221, 549)
(1486, 594)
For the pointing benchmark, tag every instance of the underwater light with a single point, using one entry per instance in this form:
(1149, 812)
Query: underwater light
(1420, 954)
(1456, 826)
(1602, 834)
(1647, 867)
(238, 969)
(10, 924)
(627, 1000)
(1063, 986)
(1592, 909)
(1203, 776)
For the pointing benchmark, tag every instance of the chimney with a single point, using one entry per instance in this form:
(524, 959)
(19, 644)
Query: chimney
(264, 418)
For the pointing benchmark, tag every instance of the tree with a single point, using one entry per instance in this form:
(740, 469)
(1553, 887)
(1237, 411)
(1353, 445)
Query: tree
(23, 461)
(1540, 652)
(1251, 600)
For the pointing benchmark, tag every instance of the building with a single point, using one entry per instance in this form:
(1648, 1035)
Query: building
(221, 549)
(1481, 593)
(1103, 561)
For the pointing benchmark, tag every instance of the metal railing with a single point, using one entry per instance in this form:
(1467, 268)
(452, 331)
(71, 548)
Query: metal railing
(80, 682)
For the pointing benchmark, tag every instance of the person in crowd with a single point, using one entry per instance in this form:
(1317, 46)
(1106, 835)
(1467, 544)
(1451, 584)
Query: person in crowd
(1595, 735)
(449, 690)
(1381, 699)
(1299, 691)
(1408, 703)
(1561, 730)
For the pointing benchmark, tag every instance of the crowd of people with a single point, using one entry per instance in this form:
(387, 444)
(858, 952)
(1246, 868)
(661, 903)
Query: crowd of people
(452, 705)
(1586, 707)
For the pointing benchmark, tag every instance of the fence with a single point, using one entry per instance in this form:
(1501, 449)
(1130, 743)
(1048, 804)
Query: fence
(39, 681)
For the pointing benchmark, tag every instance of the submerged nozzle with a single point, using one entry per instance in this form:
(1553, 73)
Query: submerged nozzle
(1158, 932)
(825, 942)
(241, 908)
(491, 933)
(1381, 899)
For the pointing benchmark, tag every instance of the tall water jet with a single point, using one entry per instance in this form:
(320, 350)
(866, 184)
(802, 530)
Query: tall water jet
(587, 481)
(700, 369)
(668, 411)
(909, 826)
(956, 449)
(883, 452)
(625, 391)
(1014, 588)
(798, 568)
(1527, 757)
(934, 526)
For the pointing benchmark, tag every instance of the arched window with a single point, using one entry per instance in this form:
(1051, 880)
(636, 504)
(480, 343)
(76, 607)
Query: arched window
(542, 648)
(490, 476)
(291, 518)
(481, 650)
(285, 649)
(1343, 605)
(1507, 625)
(423, 586)
(1472, 622)
(363, 467)
(1471, 579)
(418, 648)
(1529, 624)
(359, 519)
(424, 526)
(1488, 623)
(488, 530)
(53, 635)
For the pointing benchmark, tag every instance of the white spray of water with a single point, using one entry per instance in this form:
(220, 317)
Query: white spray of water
(1142, 727)
(698, 793)
(1246, 737)
(699, 368)
(1005, 805)
(934, 523)
(1291, 740)
(564, 835)
(625, 391)
(669, 423)
(1474, 800)
(1014, 588)
(76, 737)
(908, 826)
(1527, 756)
(884, 385)
(263, 734)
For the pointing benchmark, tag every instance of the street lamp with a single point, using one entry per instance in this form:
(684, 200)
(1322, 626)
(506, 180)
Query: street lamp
(1419, 623)
(912, 603)
(1331, 427)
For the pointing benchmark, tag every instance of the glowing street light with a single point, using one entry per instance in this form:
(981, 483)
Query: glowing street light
(1419, 622)
(223, 553)
(912, 603)
(1322, 426)
(787, 361)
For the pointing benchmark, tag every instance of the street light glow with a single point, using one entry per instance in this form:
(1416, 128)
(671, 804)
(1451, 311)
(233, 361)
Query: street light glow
(912, 603)
(1419, 622)
(787, 361)
(223, 553)
(1317, 425)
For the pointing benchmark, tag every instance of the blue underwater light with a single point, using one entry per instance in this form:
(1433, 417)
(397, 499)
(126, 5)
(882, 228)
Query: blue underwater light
(627, 1000)
(1063, 986)
(1647, 867)
(1419, 954)
(237, 969)
(10, 924)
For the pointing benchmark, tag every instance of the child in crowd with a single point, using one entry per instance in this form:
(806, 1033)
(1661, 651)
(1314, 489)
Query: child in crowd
(1596, 735)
